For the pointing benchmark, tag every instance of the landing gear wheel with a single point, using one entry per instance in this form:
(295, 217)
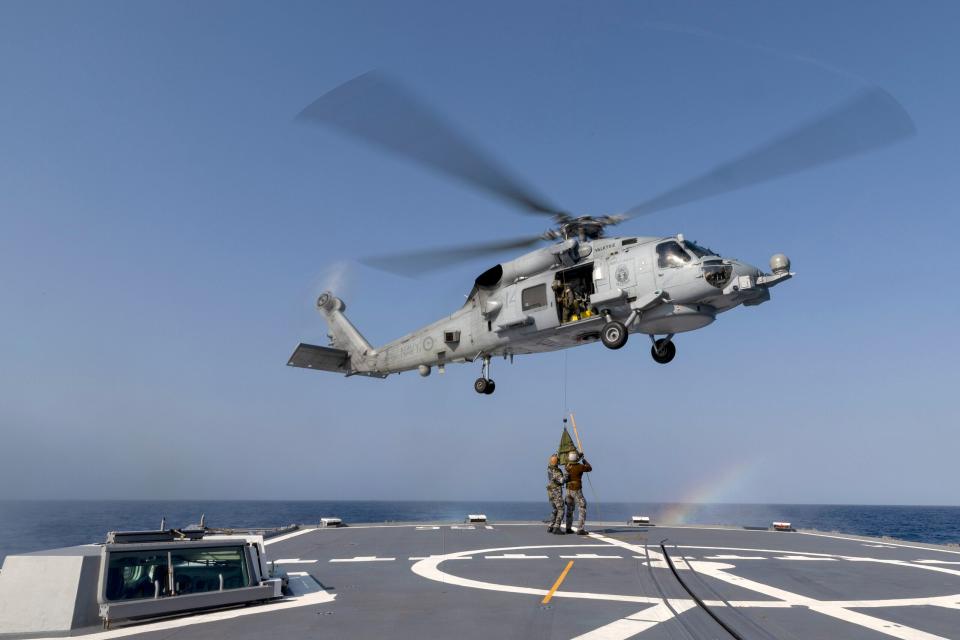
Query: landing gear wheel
(613, 335)
(484, 384)
(663, 350)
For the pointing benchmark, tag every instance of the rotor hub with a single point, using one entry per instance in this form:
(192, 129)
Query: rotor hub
(581, 227)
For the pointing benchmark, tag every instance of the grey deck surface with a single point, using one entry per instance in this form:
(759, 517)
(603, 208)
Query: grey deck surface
(368, 582)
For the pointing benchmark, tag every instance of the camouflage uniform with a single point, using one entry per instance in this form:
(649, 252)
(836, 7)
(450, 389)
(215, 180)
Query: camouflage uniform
(568, 303)
(575, 497)
(555, 494)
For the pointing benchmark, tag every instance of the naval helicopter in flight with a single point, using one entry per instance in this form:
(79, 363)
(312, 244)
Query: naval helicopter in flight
(585, 287)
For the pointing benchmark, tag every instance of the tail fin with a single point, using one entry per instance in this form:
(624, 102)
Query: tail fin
(344, 335)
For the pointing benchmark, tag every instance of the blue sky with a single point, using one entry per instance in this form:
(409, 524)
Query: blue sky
(165, 227)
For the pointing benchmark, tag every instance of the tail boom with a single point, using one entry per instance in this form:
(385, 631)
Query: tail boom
(349, 352)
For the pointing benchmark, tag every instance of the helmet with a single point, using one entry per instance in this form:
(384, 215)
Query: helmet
(554, 460)
(573, 456)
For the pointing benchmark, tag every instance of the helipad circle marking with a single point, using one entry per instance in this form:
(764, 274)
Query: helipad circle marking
(429, 568)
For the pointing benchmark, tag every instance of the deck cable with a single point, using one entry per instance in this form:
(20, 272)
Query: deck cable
(695, 597)
(663, 594)
(734, 613)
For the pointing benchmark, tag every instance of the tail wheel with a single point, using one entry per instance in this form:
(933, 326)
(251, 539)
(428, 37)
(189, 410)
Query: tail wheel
(613, 335)
(663, 350)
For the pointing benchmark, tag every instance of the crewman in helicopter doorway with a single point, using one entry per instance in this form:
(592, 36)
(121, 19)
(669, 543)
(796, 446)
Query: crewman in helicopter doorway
(577, 465)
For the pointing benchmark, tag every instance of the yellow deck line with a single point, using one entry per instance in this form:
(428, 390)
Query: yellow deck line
(556, 585)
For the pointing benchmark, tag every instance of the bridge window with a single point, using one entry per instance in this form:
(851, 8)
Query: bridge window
(146, 574)
(207, 568)
(137, 574)
(671, 254)
(534, 297)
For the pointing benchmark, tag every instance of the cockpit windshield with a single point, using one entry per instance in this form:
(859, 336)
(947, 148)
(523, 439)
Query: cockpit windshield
(671, 254)
(697, 250)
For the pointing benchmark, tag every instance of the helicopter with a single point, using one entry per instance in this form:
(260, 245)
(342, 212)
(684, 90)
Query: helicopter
(585, 287)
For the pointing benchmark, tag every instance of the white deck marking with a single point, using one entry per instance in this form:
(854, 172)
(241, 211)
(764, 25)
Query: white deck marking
(879, 546)
(429, 569)
(841, 610)
(781, 551)
(876, 624)
(636, 623)
(488, 527)
(653, 558)
(437, 556)
(463, 526)
(297, 573)
(734, 557)
(936, 562)
(287, 536)
(362, 559)
(831, 609)
(427, 528)
(590, 556)
(638, 549)
(317, 597)
(662, 564)
(515, 556)
(293, 561)
(892, 544)
(808, 558)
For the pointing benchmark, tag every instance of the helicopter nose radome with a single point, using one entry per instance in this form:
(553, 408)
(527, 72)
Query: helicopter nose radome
(779, 263)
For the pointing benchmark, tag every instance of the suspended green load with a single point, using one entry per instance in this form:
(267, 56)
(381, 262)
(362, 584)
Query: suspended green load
(566, 446)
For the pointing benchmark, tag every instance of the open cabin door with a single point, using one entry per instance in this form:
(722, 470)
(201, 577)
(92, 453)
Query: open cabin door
(572, 289)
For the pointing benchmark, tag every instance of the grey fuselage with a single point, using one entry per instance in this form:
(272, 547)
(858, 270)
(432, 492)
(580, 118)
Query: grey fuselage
(514, 308)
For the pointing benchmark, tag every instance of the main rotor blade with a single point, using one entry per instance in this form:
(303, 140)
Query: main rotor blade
(379, 111)
(419, 262)
(872, 119)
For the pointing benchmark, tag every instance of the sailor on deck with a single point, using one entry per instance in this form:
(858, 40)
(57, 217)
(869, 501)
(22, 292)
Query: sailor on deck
(555, 482)
(575, 470)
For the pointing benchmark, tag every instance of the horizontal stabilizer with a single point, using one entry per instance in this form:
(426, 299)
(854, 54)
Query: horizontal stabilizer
(310, 356)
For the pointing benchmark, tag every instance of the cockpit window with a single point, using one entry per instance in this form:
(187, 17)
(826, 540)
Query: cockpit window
(697, 250)
(671, 254)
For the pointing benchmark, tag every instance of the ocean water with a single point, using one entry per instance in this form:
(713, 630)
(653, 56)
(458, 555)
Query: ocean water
(35, 525)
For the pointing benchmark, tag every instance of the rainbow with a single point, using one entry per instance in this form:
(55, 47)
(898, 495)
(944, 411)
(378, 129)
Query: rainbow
(713, 489)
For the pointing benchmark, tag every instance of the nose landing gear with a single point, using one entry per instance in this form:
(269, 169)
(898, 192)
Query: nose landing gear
(484, 384)
(663, 350)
